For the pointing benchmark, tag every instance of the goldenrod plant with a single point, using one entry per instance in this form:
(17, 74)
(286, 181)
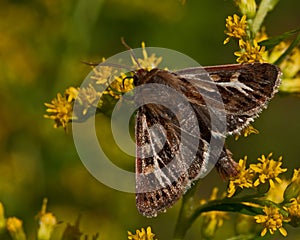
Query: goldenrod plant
(250, 193)
(261, 201)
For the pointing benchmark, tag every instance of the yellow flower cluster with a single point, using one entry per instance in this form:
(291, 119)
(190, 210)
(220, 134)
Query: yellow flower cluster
(212, 220)
(266, 170)
(61, 108)
(103, 74)
(274, 217)
(47, 223)
(242, 180)
(250, 51)
(290, 67)
(147, 62)
(119, 86)
(292, 196)
(246, 132)
(88, 98)
(111, 84)
(284, 194)
(14, 226)
(294, 209)
(236, 27)
(142, 234)
(272, 221)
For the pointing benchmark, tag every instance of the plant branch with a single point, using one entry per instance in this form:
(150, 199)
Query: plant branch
(264, 7)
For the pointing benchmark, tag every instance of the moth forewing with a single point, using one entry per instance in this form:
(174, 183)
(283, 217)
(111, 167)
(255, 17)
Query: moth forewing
(224, 100)
(245, 89)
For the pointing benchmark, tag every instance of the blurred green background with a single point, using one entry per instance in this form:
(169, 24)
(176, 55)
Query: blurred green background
(42, 44)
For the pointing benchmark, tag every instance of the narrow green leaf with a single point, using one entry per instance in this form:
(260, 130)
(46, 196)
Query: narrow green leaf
(230, 207)
(272, 42)
(288, 51)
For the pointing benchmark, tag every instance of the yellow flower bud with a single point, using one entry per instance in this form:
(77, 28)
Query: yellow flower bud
(247, 7)
(293, 189)
(2, 218)
(15, 228)
(47, 223)
(211, 222)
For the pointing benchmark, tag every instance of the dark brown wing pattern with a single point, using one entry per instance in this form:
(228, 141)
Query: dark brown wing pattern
(245, 89)
(165, 170)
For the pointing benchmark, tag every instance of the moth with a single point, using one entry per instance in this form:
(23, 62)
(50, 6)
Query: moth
(230, 95)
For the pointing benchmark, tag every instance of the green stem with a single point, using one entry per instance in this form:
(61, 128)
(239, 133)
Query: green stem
(264, 7)
(189, 213)
(186, 211)
(227, 205)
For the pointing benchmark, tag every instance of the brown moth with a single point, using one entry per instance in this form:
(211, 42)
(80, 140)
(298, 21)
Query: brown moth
(244, 91)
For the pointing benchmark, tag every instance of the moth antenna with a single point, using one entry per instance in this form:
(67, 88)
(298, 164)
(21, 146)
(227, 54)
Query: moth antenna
(131, 52)
(109, 64)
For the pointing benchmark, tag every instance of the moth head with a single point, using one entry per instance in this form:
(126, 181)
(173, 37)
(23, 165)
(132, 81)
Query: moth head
(139, 75)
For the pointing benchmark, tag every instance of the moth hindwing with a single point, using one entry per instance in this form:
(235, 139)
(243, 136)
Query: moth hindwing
(182, 122)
